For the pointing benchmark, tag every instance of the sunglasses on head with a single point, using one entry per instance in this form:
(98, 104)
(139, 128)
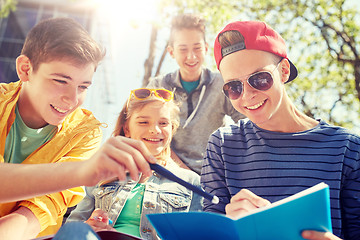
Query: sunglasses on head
(262, 81)
(144, 93)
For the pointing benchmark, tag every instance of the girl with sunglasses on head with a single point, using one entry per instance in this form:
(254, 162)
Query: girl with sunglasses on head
(278, 150)
(149, 116)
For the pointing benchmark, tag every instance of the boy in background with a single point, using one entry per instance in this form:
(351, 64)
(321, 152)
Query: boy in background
(203, 106)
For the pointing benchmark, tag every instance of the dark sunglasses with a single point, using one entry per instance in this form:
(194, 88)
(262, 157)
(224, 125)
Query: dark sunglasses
(262, 81)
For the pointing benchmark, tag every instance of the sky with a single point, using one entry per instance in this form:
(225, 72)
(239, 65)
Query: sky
(125, 33)
(124, 29)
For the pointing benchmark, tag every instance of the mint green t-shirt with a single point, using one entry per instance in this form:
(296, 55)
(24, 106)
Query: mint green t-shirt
(22, 140)
(129, 219)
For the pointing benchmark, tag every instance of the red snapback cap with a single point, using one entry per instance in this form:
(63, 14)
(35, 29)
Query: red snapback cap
(257, 36)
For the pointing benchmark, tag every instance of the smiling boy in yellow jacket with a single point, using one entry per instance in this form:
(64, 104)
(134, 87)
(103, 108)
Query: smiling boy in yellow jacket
(41, 120)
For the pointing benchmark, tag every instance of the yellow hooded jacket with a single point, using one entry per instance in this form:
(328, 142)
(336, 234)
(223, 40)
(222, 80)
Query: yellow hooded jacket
(77, 139)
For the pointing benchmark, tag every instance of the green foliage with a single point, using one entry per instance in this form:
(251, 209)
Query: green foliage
(321, 38)
(323, 41)
(7, 6)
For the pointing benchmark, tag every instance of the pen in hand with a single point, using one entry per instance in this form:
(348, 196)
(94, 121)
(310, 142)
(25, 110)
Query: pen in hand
(100, 219)
(169, 175)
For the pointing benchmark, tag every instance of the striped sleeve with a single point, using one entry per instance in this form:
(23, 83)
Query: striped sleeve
(275, 165)
(350, 192)
(213, 176)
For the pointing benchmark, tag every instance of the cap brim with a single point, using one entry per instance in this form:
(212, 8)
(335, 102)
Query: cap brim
(293, 72)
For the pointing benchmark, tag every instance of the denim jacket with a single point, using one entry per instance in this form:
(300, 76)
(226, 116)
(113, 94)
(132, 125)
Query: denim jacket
(161, 195)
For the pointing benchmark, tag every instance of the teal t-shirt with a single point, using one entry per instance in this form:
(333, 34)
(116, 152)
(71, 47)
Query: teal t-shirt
(22, 140)
(189, 86)
(129, 219)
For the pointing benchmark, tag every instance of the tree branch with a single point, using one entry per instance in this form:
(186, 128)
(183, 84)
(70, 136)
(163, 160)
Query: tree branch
(149, 62)
(161, 59)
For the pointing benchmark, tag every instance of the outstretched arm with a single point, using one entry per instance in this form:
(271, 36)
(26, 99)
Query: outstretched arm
(116, 157)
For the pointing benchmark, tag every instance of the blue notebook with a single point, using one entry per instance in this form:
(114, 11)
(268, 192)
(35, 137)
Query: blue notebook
(284, 219)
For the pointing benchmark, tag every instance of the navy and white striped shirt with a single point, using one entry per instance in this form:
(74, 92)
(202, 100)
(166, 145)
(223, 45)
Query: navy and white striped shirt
(275, 165)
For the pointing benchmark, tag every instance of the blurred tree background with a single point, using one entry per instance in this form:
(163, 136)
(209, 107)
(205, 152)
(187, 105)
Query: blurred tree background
(322, 37)
(6, 6)
(323, 41)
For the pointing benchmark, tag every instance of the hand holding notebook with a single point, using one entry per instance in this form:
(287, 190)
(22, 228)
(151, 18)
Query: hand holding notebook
(284, 219)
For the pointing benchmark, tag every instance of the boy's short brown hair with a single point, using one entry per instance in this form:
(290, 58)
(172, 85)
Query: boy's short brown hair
(186, 21)
(61, 38)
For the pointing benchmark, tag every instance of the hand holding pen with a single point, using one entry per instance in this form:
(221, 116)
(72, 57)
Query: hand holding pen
(169, 175)
(99, 221)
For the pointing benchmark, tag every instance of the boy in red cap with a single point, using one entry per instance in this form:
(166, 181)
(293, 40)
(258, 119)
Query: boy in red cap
(278, 151)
